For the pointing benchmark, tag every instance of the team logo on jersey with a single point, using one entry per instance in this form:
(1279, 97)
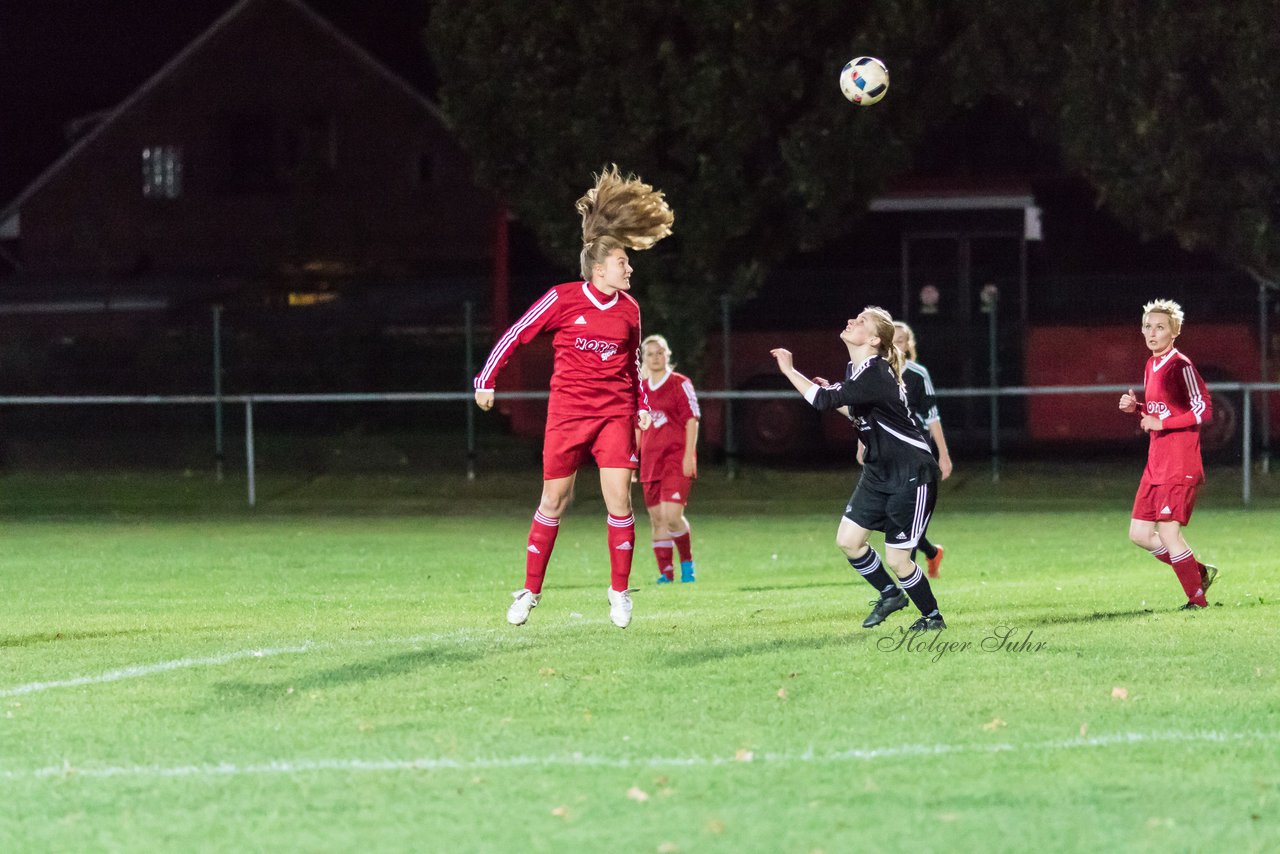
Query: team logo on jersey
(581, 321)
(1157, 407)
(659, 417)
(605, 349)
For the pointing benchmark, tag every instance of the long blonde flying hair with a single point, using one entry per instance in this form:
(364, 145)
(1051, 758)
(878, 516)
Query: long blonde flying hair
(883, 323)
(620, 213)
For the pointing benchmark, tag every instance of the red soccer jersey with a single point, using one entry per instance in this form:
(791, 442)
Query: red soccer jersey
(672, 402)
(597, 347)
(1174, 392)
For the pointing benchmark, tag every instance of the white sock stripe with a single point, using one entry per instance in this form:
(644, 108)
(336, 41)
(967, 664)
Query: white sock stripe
(663, 544)
(1181, 557)
(621, 522)
(1160, 551)
(545, 520)
(870, 568)
(913, 579)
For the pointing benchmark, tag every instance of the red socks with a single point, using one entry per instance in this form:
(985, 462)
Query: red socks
(1162, 554)
(662, 550)
(542, 539)
(1187, 568)
(622, 542)
(683, 544)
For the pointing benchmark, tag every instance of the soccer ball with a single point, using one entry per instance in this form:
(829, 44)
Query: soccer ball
(864, 80)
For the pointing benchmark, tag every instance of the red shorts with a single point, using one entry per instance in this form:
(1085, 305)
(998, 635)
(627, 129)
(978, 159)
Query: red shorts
(1164, 502)
(673, 488)
(568, 441)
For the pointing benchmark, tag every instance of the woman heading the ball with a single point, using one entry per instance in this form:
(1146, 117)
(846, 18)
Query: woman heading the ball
(1173, 405)
(898, 486)
(597, 400)
(668, 458)
(924, 406)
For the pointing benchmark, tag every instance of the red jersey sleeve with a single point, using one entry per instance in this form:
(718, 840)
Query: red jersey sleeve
(540, 317)
(688, 401)
(1199, 404)
(642, 393)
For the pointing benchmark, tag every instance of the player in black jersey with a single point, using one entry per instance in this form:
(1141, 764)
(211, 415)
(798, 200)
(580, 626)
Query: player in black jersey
(899, 481)
(924, 406)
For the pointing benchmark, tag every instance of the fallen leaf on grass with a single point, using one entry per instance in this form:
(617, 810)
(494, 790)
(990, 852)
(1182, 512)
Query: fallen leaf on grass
(1084, 730)
(668, 848)
(744, 755)
(547, 671)
(994, 724)
(1120, 693)
(717, 826)
(782, 693)
(637, 794)
(560, 812)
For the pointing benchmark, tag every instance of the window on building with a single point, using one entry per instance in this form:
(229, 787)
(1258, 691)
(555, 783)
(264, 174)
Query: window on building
(162, 171)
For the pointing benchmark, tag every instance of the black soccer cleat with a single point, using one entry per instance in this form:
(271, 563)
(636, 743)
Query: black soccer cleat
(934, 623)
(883, 607)
(1192, 606)
(1207, 576)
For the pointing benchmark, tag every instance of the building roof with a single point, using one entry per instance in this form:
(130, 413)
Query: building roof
(10, 222)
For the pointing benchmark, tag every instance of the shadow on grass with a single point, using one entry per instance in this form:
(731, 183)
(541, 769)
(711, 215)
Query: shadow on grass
(60, 637)
(707, 654)
(1097, 616)
(769, 588)
(354, 673)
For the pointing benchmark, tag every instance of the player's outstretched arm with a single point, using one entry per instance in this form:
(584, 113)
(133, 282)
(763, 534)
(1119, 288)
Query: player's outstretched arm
(484, 399)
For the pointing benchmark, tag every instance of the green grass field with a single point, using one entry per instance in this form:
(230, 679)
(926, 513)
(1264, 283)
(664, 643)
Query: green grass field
(333, 672)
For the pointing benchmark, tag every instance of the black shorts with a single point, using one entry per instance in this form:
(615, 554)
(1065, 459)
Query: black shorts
(902, 515)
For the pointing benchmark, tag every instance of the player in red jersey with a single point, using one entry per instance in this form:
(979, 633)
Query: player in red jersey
(596, 397)
(668, 457)
(1174, 403)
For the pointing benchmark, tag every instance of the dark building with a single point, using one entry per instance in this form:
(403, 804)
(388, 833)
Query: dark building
(272, 143)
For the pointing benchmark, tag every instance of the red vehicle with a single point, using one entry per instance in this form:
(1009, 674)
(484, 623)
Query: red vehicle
(1054, 355)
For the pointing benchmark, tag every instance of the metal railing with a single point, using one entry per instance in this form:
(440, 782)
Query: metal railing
(249, 401)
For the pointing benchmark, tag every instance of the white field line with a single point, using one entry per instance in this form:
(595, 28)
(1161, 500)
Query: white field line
(138, 671)
(286, 767)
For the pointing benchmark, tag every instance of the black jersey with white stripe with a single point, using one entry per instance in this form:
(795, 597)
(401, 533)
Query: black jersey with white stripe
(897, 453)
(920, 396)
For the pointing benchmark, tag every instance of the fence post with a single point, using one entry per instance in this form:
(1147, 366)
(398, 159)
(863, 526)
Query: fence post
(990, 298)
(248, 449)
(218, 455)
(470, 339)
(730, 443)
(1248, 446)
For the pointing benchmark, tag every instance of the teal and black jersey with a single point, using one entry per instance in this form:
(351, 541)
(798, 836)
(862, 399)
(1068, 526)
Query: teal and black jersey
(920, 395)
(897, 453)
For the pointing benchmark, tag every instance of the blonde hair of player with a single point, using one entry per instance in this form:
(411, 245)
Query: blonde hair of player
(911, 338)
(1169, 307)
(666, 348)
(882, 322)
(620, 213)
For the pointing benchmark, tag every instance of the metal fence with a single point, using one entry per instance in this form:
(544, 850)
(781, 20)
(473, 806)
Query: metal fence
(249, 401)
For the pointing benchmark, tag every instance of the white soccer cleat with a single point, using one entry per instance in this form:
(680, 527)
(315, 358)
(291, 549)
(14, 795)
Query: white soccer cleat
(526, 601)
(620, 607)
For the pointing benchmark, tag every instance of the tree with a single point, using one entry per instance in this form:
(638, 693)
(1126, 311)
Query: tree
(1166, 107)
(731, 107)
